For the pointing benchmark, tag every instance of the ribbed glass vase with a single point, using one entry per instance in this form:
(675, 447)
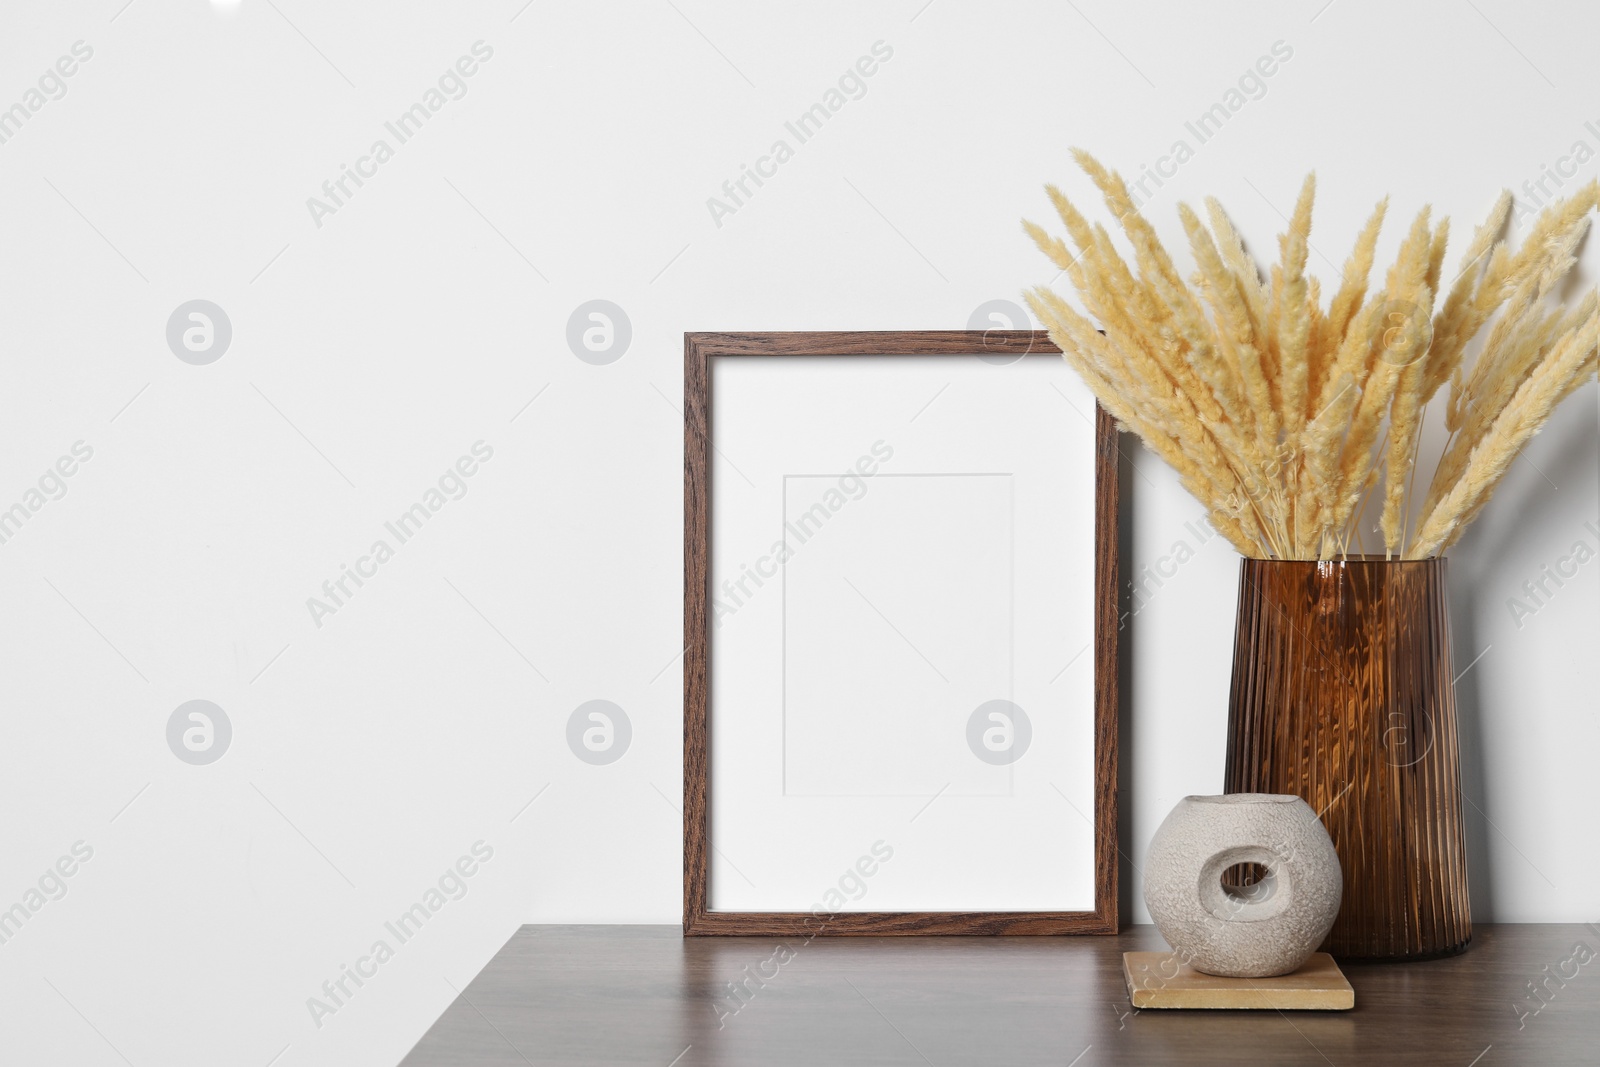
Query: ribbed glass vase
(1343, 694)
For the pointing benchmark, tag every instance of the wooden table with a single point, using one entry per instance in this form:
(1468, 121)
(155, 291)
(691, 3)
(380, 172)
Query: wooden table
(645, 995)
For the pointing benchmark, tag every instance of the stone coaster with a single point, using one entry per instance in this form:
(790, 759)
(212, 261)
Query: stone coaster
(1159, 980)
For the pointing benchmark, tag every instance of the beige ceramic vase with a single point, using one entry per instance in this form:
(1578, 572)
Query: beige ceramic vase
(1245, 885)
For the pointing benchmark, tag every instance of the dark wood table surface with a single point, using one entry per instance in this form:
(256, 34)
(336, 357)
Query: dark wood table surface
(646, 995)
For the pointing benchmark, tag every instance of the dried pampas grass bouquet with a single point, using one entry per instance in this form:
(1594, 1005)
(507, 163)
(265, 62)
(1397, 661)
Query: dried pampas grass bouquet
(1298, 425)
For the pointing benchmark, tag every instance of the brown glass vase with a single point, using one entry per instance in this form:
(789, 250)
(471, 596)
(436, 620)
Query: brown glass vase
(1342, 694)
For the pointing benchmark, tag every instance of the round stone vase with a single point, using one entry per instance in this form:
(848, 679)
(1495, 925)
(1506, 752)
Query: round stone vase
(1221, 922)
(1342, 694)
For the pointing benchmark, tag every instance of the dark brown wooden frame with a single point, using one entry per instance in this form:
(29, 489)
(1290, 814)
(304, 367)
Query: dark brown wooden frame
(698, 351)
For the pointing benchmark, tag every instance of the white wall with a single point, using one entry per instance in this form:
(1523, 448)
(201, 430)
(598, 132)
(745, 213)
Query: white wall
(370, 352)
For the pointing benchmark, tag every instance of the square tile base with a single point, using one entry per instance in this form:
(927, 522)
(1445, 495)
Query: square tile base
(1160, 980)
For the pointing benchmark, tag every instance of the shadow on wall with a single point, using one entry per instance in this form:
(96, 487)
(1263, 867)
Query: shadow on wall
(1464, 640)
(1472, 597)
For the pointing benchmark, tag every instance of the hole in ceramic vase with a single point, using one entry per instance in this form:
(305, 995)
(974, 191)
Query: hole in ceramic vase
(1249, 883)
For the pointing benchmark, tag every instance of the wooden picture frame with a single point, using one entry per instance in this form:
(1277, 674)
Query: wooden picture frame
(701, 351)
